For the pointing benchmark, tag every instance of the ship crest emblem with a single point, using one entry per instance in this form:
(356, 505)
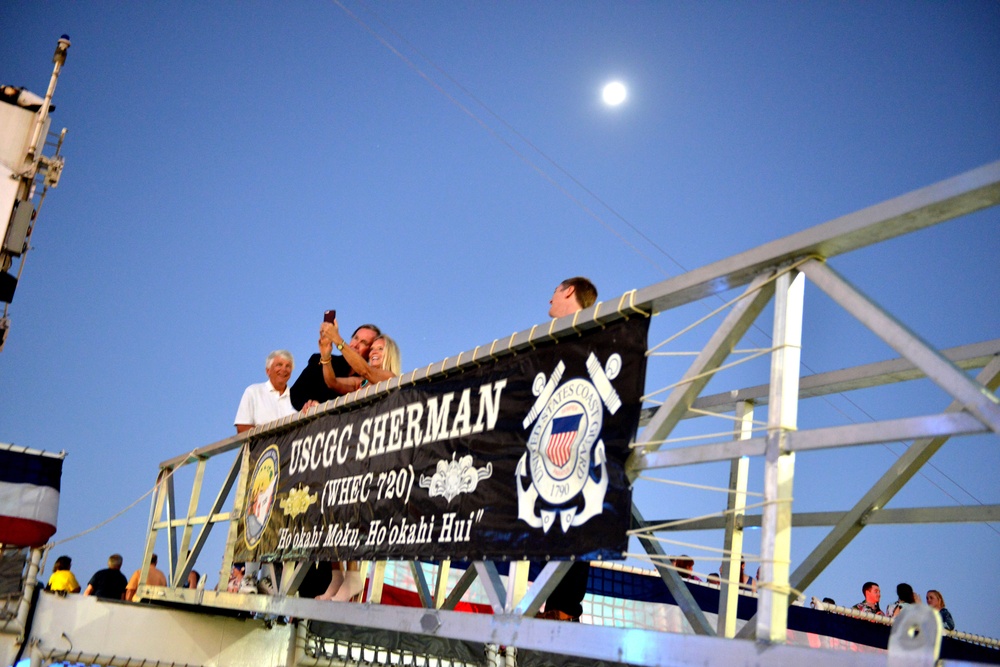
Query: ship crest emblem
(566, 464)
(261, 494)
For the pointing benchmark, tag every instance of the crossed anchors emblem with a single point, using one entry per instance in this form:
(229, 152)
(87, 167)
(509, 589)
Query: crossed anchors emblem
(563, 462)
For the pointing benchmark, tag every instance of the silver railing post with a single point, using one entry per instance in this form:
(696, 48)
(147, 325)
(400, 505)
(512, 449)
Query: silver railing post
(779, 463)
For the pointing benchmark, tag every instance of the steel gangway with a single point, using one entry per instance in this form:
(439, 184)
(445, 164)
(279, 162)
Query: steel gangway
(683, 406)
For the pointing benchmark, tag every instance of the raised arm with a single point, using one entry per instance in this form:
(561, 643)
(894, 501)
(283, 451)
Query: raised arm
(357, 362)
(341, 385)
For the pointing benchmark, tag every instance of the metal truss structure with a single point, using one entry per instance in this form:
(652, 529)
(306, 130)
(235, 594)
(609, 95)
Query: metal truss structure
(771, 276)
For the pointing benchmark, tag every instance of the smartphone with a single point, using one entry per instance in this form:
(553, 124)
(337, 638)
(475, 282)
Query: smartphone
(330, 316)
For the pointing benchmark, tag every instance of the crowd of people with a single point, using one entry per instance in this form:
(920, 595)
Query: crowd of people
(338, 368)
(368, 358)
(108, 583)
(905, 595)
(323, 583)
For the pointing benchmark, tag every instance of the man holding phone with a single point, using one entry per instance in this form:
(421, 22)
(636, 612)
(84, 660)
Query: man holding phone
(327, 376)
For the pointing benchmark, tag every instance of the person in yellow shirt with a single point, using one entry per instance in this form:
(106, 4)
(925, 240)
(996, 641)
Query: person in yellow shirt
(62, 580)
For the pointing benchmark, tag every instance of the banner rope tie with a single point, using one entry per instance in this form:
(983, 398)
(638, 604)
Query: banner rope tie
(531, 334)
(597, 309)
(635, 308)
(552, 324)
(621, 300)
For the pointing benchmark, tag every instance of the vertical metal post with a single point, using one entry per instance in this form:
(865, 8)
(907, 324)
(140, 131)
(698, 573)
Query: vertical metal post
(441, 583)
(59, 59)
(236, 515)
(779, 463)
(171, 529)
(517, 583)
(736, 504)
(297, 640)
(376, 582)
(30, 582)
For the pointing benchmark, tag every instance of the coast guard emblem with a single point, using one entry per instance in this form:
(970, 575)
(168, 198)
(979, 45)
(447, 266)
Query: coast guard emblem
(566, 464)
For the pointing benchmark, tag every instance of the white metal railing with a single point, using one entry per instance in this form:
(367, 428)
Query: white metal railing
(772, 275)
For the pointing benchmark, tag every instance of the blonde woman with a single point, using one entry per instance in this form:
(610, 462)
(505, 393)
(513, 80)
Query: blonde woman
(383, 357)
(936, 600)
(383, 363)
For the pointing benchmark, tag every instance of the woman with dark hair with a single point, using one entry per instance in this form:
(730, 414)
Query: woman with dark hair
(936, 601)
(904, 596)
(62, 580)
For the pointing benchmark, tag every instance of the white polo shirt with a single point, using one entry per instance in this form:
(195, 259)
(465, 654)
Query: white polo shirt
(261, 403)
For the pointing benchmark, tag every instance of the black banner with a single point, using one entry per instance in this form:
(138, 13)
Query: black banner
(517, 458)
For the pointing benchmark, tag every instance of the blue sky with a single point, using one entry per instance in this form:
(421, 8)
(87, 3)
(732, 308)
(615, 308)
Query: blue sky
(235, 169)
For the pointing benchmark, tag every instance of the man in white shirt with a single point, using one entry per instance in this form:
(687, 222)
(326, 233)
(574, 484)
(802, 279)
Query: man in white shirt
(267, 401)
(263, 403)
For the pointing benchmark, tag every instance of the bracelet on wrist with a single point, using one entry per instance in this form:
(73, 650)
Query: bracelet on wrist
(323, 361)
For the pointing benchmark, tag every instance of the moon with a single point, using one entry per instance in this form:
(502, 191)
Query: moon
(614, 93)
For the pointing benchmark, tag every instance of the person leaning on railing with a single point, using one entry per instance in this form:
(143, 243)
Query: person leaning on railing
(382, 363)
(327, 376)
(936, 600)
(565, 601)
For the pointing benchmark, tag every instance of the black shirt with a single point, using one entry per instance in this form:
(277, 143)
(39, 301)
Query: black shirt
(109, 583)
(310, 385)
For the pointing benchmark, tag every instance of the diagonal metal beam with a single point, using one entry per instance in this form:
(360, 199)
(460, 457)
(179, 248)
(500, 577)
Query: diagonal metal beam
(855, 519)
(423, 590)
(206, 529)
(884, 517)
(851, 435)
(464, 582)
(905, 467)
(966, 357)
(942, 372)
(545, 583)
(688, 605)
(185, 562)
(719, 346)
(490, 579)
(239, 473)
(974, 190)
(293, 573)
(159, 500)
